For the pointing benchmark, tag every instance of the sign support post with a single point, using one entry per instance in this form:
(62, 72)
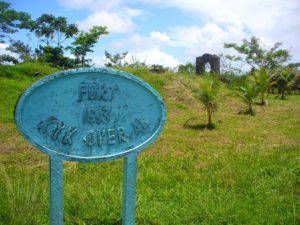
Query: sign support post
(129, 189)
(56, 190)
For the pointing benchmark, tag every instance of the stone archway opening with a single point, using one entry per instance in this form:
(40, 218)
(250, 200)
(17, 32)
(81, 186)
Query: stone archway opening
(206, 60)
(207, 68)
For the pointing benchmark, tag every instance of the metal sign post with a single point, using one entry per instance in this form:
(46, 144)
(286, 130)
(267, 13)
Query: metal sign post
(56, 190)
(129, 189)
(90, 115)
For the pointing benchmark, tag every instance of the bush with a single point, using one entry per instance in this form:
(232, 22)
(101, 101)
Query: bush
(233, 81)
(28, 69)
(158, 68)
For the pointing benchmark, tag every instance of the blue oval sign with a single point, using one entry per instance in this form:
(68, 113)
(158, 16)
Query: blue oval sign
(90, 115)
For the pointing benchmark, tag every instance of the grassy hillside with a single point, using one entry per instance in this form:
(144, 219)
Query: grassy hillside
(246, 171)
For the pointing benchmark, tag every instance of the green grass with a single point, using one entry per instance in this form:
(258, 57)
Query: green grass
(245, 171)
(24, 70)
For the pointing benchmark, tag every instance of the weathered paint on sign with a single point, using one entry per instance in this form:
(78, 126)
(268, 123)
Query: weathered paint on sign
(90, 115)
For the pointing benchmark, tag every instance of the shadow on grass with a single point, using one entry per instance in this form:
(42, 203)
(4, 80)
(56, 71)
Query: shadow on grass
(193, 124)
(246, 112)
(101, 222)
(119, 222)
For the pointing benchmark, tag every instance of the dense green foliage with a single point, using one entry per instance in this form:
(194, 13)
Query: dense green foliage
(187, 68)
(158, 68)
(246, 171)
(285, 79)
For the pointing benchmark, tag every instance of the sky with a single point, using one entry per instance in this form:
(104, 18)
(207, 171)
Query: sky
(173, 32)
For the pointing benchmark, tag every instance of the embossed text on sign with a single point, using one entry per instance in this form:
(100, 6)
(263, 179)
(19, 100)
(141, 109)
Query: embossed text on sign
(90, 114)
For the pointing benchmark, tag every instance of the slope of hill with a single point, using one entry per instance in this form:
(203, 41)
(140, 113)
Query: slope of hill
(246, 171)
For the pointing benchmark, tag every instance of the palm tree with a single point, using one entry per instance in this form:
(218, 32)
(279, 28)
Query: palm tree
(262, 80)
(248, 93)
(285, 79)
(208, 95)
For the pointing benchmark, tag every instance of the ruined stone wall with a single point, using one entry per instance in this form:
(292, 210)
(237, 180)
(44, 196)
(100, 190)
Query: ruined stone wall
(213, 60)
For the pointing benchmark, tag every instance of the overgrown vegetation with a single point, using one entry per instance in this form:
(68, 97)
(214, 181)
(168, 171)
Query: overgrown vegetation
(245, 171)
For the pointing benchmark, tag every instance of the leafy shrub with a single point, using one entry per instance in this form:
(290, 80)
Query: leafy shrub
(158, 68)
(208, 95)
(248, 93)
(233, 81)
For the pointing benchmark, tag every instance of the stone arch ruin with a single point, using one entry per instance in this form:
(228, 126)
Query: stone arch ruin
(213, 60)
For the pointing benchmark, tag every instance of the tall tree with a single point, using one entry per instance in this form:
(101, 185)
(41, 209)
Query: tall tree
(4, 58)
(53, 30)
(22, 49)
(84, 43)
(11, 20)
(115, 60)
(254, 54)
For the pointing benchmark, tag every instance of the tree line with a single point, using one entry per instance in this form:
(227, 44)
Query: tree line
(52, 34)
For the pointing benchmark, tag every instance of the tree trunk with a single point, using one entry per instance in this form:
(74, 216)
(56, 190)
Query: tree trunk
(82, 60)
(263, 99)
(282, 94)
(250, 110)
(209, 117)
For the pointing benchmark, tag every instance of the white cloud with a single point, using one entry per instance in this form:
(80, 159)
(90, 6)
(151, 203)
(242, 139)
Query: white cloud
(134, 41)
(115, 22)
(230, 19)
(153, 56)
(196, 40)
(3, 46)
(225, 21)
(160, 37)
(113, 14)
(93, 5)
(148, 56)
(99, 61)
(137, 41)
(207, 39)
(3, 50)
(271, 20)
